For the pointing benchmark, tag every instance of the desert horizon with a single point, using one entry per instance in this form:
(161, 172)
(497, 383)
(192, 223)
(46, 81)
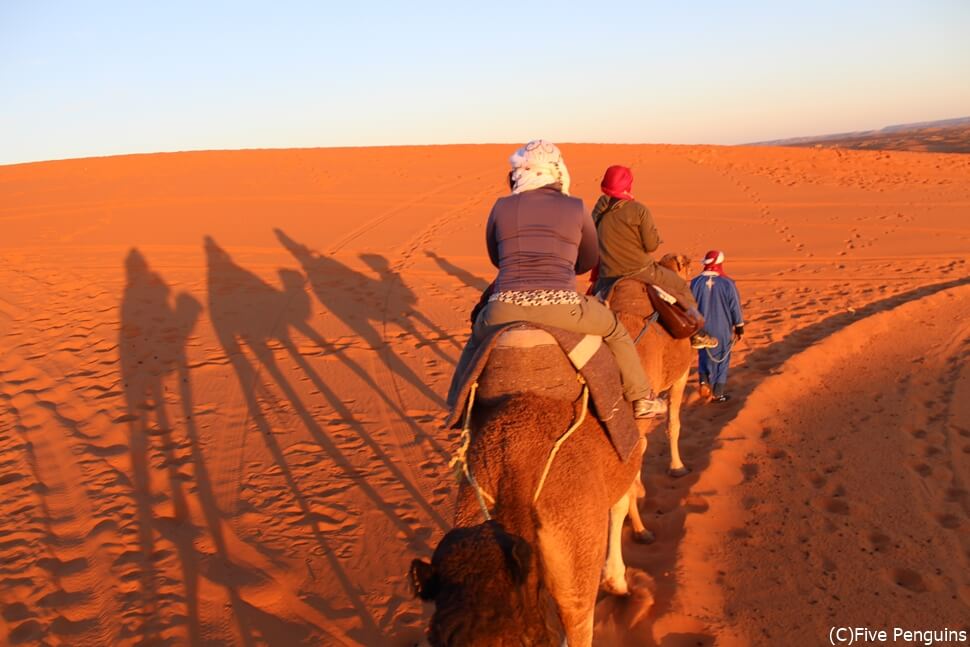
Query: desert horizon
(222, 383)
(937, 136)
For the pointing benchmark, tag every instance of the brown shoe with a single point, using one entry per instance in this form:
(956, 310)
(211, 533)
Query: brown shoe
(705, 390)
(701, 339)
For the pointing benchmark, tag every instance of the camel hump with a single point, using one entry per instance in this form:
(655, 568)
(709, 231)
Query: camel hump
(631, 296)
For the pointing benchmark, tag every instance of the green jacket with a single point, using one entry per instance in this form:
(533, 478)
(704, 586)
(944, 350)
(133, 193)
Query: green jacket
(627, 236)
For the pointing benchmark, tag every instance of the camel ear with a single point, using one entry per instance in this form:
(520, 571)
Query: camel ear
(423, 582)
(517, 557)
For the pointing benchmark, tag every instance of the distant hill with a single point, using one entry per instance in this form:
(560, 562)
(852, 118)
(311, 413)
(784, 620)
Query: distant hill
(944, 136)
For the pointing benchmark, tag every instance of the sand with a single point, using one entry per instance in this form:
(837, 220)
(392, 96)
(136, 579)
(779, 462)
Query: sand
(222, 374)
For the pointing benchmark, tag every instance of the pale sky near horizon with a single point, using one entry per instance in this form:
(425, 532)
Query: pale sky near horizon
(91, 78)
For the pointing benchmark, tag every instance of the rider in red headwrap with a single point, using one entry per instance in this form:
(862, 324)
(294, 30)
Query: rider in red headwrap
(627, 239)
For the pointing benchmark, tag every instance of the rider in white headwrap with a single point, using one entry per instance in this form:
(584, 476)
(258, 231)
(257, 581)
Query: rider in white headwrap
(539, 163)
(540, 238)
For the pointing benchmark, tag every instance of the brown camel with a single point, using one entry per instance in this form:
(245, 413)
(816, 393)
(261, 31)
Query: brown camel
(531, 575)
(665, 360)
(667, 363)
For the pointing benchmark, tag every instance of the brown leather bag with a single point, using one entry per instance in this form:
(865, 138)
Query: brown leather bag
(672, 316)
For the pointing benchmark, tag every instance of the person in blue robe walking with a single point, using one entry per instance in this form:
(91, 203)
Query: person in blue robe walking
(718, 300)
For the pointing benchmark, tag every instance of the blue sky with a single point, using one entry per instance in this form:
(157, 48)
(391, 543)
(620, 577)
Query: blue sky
(98, 78)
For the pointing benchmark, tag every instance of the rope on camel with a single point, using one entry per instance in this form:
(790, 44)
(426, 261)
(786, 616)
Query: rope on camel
(459, 462)
(562, 439)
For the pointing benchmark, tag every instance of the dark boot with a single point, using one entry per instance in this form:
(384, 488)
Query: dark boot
(719, 394)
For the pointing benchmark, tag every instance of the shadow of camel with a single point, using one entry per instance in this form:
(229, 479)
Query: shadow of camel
(463, 275)
(342, 290)
(151, 348)
(660, 559)
(398, 306)
(249, 314)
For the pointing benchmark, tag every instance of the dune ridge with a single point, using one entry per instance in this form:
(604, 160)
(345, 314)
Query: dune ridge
(783, 481)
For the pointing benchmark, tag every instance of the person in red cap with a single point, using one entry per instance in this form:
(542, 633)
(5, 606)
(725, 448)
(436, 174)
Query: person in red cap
(627, 239)
(540, 238)
(718, 299)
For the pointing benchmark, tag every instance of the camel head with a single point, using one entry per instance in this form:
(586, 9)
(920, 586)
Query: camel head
(679, 263)
(478, 579)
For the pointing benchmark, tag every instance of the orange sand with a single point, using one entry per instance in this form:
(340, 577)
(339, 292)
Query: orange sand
(221, 380)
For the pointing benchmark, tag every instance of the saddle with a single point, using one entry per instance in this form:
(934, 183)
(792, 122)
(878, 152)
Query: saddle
(651, 303)
(531, 358)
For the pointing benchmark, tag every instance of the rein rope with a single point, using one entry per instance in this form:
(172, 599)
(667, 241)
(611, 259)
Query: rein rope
(562, 439)
(724, 355)
(459, 462)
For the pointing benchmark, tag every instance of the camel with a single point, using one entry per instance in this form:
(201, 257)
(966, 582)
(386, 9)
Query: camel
(667, 363)
(531, 574)
(665, 360)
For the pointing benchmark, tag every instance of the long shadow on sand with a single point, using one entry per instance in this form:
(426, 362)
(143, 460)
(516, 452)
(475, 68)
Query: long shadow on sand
(622, 617)
(250, 314)
(463, 275)
(152, 342)
(399, 307)
(342, 291)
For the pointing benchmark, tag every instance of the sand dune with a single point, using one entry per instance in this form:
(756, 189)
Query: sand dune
(944, 136)
(222, 374)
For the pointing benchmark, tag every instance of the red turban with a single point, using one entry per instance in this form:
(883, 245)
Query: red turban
(617, 182)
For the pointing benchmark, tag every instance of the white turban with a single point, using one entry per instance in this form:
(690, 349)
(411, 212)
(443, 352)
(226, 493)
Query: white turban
(537, 164)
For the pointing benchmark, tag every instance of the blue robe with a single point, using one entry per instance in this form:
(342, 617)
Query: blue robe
(718, 300)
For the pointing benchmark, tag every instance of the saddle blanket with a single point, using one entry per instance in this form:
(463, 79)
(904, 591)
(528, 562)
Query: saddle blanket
(589, 356)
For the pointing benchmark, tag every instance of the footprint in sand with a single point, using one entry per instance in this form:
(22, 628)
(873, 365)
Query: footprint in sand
(836, 505)
(949, 521)
(749, 471)
(817, 480)
(923, 469)
(879, 541)
(955, 495)
(908, 579)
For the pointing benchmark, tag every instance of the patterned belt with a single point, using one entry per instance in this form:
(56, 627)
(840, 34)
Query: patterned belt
(537, 297)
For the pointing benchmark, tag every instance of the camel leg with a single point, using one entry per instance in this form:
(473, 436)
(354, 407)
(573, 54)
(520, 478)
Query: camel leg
(640, 532)
(582, 633)
(614, 571)
(572, 568)
(677, 467)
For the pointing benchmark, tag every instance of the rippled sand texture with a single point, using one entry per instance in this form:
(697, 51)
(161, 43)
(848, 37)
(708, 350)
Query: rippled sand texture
(222, 378)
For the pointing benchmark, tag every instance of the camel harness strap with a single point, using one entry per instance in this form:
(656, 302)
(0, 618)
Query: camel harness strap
(561, 440)
(459, 462)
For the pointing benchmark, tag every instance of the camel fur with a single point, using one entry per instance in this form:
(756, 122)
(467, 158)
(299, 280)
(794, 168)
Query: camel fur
(531, 575)
(666, 360)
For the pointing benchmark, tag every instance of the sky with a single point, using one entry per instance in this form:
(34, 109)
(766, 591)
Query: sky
(92, 77)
